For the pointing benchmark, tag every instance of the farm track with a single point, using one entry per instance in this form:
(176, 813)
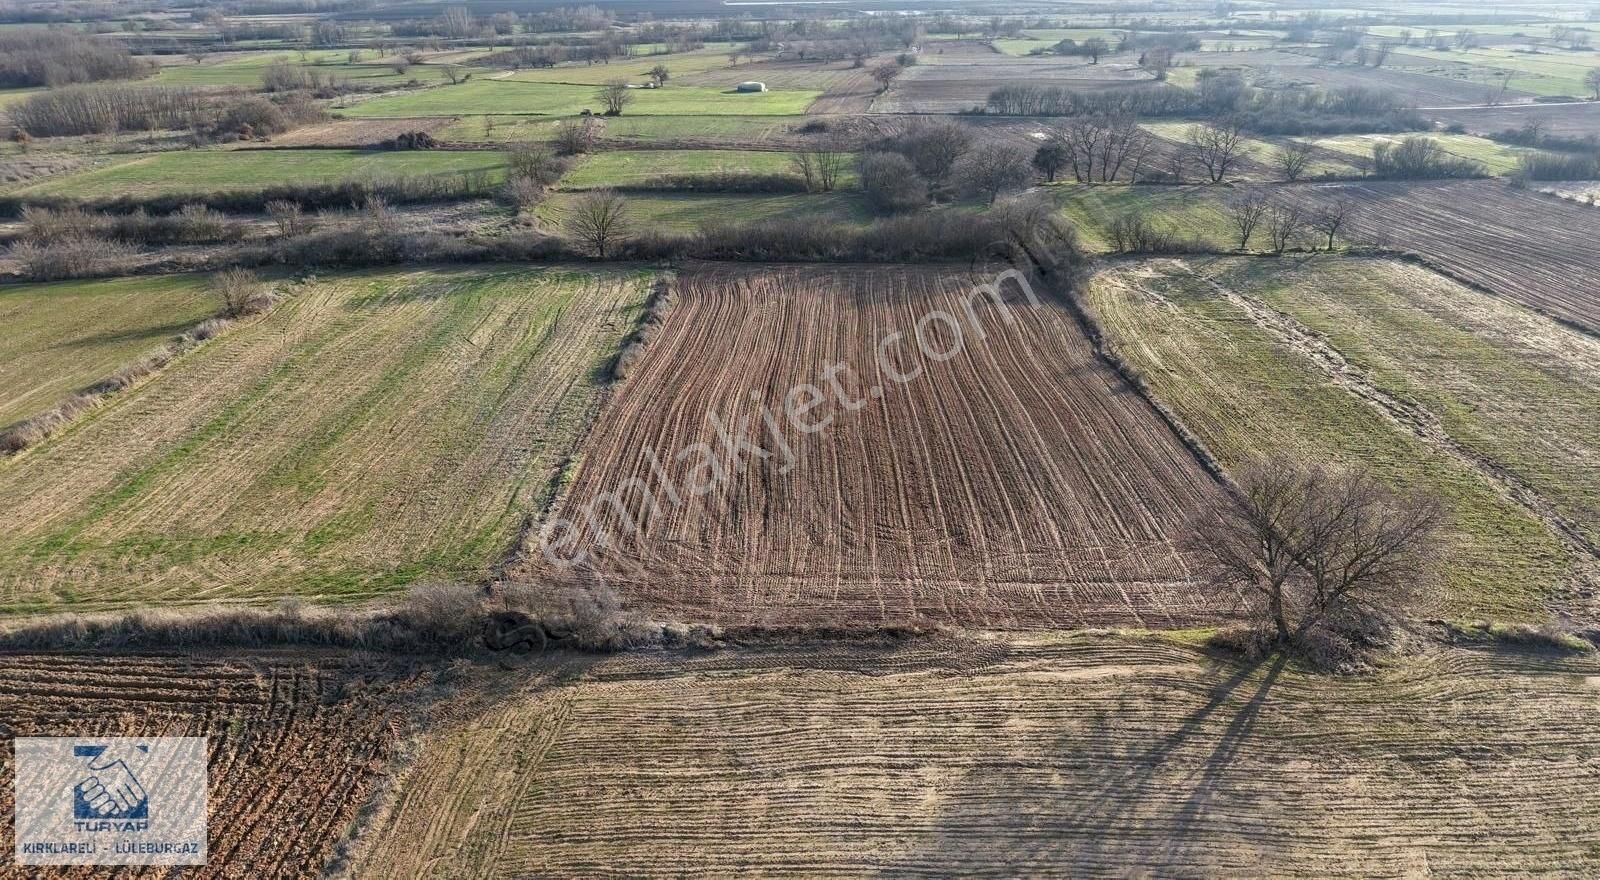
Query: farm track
(1079, 754)
(1020, 483)
(295, 745)
(1531, 249)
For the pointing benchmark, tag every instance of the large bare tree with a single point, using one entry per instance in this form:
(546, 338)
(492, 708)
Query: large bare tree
(1246, 211)
(599, 220)
(1309, 547)
(1333, 216)
(1293, 158)
(615, 95)
(1217, 147)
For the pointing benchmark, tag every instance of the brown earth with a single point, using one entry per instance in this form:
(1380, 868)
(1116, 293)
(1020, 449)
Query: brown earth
(356, 133)
(295, 745)
(1077, 756)
(1533, 249)
(1565, 120)
(1020, 482)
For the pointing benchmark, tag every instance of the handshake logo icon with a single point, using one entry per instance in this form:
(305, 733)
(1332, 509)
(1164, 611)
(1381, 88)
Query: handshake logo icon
(109, 797)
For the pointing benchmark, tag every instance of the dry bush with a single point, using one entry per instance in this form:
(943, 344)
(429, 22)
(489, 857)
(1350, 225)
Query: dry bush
(891, 183)
(576, 137)
(78, 258)
(289, 217)
(242, 292)
(537, 162)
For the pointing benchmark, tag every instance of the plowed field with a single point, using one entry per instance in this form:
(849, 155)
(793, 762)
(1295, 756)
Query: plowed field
(1533, 249)
(370, 431)
(294, 747)
(1078, 757)
(1012, 480)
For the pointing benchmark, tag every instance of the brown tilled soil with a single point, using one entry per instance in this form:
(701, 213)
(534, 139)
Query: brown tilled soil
(1064, 757)
(1018, 483)
(953, 85)
(1531, 248)
(296, 745)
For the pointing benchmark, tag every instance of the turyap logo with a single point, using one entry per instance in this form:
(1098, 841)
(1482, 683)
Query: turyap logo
(111, 800)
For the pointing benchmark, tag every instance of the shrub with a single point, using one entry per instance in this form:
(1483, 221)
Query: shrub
(40, 57)
(1421, 158)
(891, 184)
(1558, 166)
(241, 291)
(76, 258)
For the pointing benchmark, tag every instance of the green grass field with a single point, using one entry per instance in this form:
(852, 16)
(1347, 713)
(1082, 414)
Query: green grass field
(512, 98)
(372, 431)
(1258, 149)
(245, 69)
(211, 170)
(1498, 158)
(1190, 211)
(1551, 71)
(1245, 393)
(633, 69)
(61, 337)
(633, 167)
(687, 212)
(644, 129)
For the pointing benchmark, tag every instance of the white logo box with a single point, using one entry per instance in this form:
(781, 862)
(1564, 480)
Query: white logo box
(110, 800)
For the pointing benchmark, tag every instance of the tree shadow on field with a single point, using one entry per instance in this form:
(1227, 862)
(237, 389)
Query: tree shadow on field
(1127, 790)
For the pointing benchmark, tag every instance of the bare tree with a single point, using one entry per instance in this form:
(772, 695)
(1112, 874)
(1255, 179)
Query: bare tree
(1592, 80)
(1217, 147)
(994, 167)
(1284, 222)
(599, 220)
(934, 147)
(576, 137)
(1293, 157)
(615, 95)
(1332, 217)
(1311, 548)
(1246, 212)
(1380, 53)
(288, 216)
(1157, 60)
(884, 74)
(455, 73)
(1094, 47)
(660, 74)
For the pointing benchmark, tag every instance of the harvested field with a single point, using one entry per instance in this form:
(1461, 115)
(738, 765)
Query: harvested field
(1564, 120)
(636, 132)
(1249, 379)
(953, 85)
(358, 133)
(1421, 89)
(1512, 388)
(1016, 482)
(688, 212)
(518, 98)
(1496, 158)
(61, 337)
(296, 745)
(1533, 249)
(203, 171)
(373, 430)
(1083, 755)
(635, 167)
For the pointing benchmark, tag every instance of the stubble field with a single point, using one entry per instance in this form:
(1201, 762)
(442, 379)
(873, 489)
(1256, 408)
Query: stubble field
(1015, 482)
(1024, 757)
(61, 337)
(1532, 249)
(371, 431)
(1238, 355)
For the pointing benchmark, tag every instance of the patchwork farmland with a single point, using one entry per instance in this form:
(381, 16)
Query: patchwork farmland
(1041, 489)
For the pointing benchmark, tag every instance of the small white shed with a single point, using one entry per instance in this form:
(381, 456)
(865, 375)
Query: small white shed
(751, 86)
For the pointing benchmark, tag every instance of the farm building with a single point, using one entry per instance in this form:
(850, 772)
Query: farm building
(751, 86)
